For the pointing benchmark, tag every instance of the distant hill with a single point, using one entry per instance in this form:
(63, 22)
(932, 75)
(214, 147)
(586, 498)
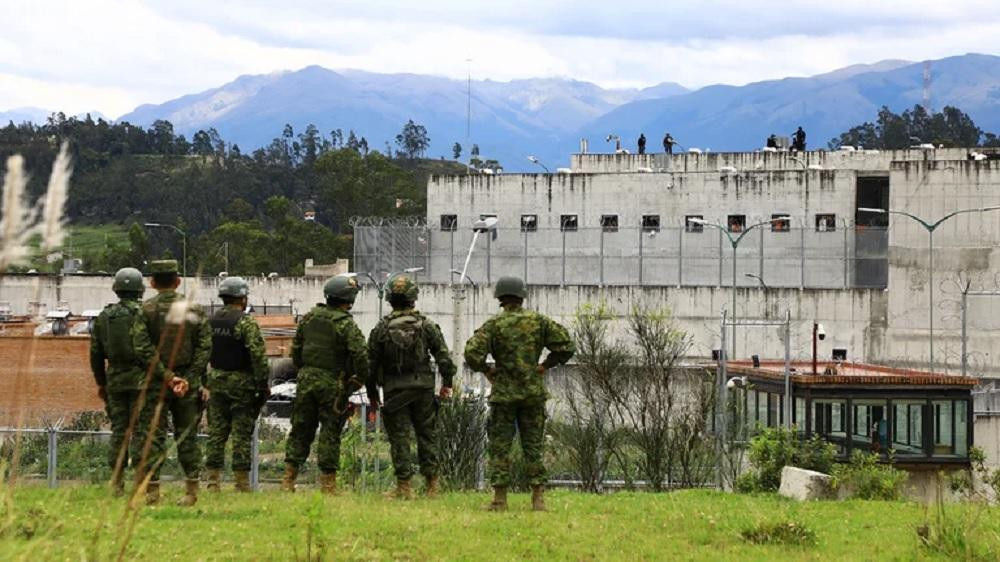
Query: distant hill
(740, 118)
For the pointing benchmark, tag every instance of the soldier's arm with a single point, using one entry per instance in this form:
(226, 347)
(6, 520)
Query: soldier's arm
(439, 349)
(97, 355)
(297, 342)
(254, 341)
(357, 348)
(202, 346)
(558, 342)
(478, 347)
(375, 354)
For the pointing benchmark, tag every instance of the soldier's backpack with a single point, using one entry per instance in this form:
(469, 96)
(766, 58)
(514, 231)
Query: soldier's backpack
(117, 335)
(406, 341)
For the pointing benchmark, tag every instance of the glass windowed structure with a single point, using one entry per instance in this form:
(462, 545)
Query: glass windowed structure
(921, 417)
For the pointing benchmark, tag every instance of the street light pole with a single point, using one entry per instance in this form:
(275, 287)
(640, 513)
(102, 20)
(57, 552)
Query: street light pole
(184, 250)
(930, 227)
(734, 242)
(535, 160)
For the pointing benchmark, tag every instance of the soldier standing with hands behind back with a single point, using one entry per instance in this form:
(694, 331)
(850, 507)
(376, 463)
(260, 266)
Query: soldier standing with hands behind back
(238, 384)
(400, 348)
(184, 338)
(515, 338)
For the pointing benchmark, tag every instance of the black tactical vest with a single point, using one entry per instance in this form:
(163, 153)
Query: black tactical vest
(229, 352)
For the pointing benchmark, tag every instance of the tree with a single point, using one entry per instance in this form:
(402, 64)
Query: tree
(456, 151)
(950, 128)
(413, 140)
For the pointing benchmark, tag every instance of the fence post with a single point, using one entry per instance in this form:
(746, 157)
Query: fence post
(364, 442)
(845, 254)
(53, 457)
(378, 464)
(721, 258)
(255, 456)
(760, 265)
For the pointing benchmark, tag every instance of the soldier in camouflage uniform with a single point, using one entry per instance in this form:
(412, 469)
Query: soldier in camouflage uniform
(184, 341)
(119, 339)
(515, 338)
(237, 383)
(400, 348)
(330, 353)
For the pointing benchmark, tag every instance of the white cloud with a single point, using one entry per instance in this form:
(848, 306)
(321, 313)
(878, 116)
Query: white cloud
(110, 55)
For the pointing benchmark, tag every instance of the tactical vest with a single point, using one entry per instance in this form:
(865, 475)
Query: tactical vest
(117, 335)
(229, 351)
(322, 346)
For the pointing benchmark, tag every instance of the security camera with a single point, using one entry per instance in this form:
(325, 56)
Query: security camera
(736, 382)
(820, 332)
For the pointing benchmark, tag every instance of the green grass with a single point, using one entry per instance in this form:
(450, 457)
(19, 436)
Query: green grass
(695, 525)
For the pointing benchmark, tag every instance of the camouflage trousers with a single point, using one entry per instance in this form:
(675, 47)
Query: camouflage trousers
(119, 409)
(316, 404)
(235, 416)
(526, 418)
(185, 415)
(417, 416)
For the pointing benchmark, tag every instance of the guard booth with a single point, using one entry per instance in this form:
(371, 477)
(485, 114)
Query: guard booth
(924, 417)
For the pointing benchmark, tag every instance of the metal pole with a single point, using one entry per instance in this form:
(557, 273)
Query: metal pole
(563, 282)
(788, 369)
(965, 343)
(489, 259)
(451, 256)
(734, 300)
(720, 409)
(602, 256)
(378, 463)
(846, 264)
(364, 442)
(721, 257)
(255, 456)
(930, 277)
(50, 471)
(802, 257)
(680, 257)
(525, 256)
(640, 256)
(760, 265)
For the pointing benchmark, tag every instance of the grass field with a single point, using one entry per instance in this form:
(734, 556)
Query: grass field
(83, 523)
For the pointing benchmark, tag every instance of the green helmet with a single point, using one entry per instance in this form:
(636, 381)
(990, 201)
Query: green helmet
(402, 284)
(510, 287)
(128, 280)
(342, 288)
(234, 287)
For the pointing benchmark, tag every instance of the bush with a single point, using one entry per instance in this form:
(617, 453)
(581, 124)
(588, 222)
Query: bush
(777, 447)
(461, 441)
(781, 532)
(867, 479)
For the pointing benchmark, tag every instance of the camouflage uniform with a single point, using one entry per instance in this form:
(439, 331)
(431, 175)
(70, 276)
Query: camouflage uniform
(237, 381)
(330, 352)
(406, 373)
(185, 350)
(515, 338)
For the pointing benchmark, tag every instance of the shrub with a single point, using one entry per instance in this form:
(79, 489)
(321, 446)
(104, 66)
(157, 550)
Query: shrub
(957, 534)
(461, 441)
(780, 532)
(777, 447)
(868, 479)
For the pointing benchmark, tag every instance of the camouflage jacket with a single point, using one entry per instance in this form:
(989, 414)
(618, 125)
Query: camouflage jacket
(191, 337)
(328, 343)
(515, 338)
(397, 369)
(117, 373)
(244, 383)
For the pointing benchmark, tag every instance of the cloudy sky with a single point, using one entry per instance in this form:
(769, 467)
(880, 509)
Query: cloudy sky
(110, 56)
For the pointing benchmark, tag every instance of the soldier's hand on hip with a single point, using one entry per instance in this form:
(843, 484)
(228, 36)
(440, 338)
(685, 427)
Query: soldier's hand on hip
(179, 386)
(491, 374)
(445, 392)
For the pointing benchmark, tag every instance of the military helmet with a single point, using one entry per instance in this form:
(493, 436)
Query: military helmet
(402, 284)
(234, 287)
(510, 287)
(128, 280)
(342, 288)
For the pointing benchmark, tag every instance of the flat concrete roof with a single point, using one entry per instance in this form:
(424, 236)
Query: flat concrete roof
(848, 374)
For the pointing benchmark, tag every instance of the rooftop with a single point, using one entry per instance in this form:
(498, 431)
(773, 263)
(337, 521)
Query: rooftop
(848, 374)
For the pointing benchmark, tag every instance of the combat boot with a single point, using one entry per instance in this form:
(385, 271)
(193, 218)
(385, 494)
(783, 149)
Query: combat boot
(499, 502)
(153, 492)
(403, 490)
(190, 496)
(432, 487)
(288, 482)
(214, 480)
(328, 483)
(242, 481)
(538, 498)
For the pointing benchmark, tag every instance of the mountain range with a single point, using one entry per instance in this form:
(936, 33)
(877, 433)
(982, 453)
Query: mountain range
(547, 117)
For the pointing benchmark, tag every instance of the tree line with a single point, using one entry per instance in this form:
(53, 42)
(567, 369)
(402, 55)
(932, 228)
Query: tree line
(951, 127)
(251, 204)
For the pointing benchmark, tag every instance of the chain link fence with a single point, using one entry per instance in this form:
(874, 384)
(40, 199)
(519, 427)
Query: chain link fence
(831, 257)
